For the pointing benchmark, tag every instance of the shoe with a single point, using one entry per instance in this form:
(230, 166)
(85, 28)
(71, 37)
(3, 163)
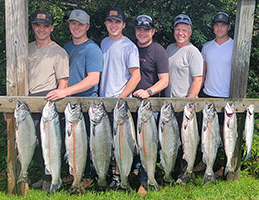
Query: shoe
(219, 173)
(46, 186)
(67, 179)
(88, 182)
(200, 167)
(37, 184)
(142, 189)
(116, 182)
(133, 177)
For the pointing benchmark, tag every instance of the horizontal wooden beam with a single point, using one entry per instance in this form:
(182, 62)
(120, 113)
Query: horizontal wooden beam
(36, 104)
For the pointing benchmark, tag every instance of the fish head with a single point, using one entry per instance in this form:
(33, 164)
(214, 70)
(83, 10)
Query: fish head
(167, 112)
(229, 110)
(49, 111)
(73, 113)
(145, 111)
(250, 110)
(21, 111)
(96, 112)
(210, 111)
(121, 112)
(189, 111)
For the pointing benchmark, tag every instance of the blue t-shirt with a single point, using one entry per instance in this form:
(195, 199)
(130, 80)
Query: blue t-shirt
(84, 58)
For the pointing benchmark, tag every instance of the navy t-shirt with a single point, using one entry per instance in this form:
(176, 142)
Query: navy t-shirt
(153, 61)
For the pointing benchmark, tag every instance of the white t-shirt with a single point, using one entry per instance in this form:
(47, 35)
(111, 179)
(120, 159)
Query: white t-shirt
(218, 59)
(118, 57)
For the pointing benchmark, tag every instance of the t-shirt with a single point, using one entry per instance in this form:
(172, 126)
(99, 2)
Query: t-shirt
(83, 58)
(153, 61)
(218, 59)
(118, 57)
(184, 64)
(46, 65)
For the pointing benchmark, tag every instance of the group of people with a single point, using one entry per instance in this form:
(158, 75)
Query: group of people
(124, 68)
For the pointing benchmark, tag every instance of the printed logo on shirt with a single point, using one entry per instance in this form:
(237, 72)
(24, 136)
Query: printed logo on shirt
(142, 59)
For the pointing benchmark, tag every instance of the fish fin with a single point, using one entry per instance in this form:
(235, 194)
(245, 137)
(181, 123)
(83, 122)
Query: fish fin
(249, 155)
(209, 177)
(66, 156)
(55, 187)
(204, 128)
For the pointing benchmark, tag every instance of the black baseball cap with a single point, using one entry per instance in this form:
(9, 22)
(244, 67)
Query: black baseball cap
(144, 21)
(221, 17)
(42, 16)
(115, 13)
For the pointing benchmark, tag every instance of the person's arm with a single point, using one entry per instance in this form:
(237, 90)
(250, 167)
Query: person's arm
(62, 83)
(204, 71)
(156, 88)
(132, 83)
(87, 83)
(195, 87)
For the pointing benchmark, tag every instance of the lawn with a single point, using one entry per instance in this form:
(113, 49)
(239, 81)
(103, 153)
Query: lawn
(246, 188)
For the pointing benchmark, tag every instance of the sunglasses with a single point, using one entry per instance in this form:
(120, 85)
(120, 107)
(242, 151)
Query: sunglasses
(144, 23)
(181, 19)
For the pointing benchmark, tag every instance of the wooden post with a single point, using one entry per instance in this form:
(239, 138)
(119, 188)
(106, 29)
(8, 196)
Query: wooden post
(240, 69)
(16, 15)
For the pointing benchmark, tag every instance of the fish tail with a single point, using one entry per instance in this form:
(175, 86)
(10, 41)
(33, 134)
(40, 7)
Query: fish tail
(55, 187)
(209, 177)
(154, 185)
(102, 182)
(229, 169)
(248, 155)
(23, 178)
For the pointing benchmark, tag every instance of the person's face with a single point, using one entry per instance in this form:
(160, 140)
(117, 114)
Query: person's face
(115, 28)
(182, 34)
(144, 36)
(221, 29)
(42, 30)
(77, 29)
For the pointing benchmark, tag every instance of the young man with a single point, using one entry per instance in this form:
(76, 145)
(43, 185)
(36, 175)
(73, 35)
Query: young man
(185, 62)
(121, 72)
(154, 72)
(47, 70)
(217, 56)
(85, 66)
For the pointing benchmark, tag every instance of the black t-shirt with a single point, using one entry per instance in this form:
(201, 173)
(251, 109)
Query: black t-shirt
(153, 61)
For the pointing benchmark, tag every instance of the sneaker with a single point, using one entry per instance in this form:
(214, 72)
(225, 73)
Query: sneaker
(116, 182)
(67, 179)
(37, 184)
(46, 186)
(142, 189)
(88, 182)
(200, 167)
(219, 173)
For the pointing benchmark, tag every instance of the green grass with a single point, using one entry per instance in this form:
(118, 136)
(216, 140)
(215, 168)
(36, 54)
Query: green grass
(246, 188)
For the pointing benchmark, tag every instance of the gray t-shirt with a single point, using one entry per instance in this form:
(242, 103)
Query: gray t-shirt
(118, 57)
(184, 64)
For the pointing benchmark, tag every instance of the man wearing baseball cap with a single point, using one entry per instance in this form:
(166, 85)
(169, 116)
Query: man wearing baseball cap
(217, 58)
(121, 72)
(154, 71)
(85, 66)
(48, 69)
(185, 70)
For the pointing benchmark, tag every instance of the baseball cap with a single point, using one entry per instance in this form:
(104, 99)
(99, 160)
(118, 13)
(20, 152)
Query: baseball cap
(182, 18)
(115, 13)
(144, 21)
(80, 16)
(42, 16)
(221, 17)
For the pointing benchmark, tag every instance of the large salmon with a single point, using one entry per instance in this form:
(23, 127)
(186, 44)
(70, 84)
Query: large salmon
(210, 141)
(124, 141)
(100, 141)
(230, 135)
(147, 142)
(25, 138)
(51, 144)
(76, 145)
(169, 139)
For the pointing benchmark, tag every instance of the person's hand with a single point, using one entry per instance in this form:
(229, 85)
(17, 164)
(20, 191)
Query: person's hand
(56, 94)
(141, 94)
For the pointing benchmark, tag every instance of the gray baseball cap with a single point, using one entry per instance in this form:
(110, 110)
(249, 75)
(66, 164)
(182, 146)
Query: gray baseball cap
(182, 18)
(80, 16)
(221, 17)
